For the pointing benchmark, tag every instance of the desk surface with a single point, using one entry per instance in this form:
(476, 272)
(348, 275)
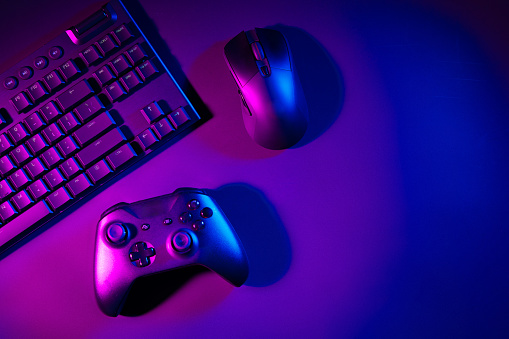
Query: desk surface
(391, 217)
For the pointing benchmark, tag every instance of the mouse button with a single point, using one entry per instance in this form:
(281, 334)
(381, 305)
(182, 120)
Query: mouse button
(275, 48)
(239, 55)
(257, 50)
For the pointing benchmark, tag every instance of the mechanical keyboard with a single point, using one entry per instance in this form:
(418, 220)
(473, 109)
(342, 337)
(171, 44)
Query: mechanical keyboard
(76, 113)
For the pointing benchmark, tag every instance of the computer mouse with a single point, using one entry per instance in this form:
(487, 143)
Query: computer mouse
(273, 104)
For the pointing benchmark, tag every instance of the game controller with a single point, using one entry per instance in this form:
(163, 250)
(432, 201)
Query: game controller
(172, 231)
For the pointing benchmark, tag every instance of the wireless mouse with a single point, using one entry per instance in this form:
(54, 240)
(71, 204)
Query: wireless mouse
(273, 104)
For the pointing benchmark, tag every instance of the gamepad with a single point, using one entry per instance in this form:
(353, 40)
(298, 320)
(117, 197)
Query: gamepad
(180, 229)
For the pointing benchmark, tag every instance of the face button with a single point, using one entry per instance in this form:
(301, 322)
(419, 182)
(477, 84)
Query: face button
(206, 212)
(185, 217)
(116, 233)
(193, 204)
(142, 254)
(181, 241)
(198, 225)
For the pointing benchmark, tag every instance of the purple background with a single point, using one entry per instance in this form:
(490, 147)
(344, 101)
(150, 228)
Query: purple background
(394, 207)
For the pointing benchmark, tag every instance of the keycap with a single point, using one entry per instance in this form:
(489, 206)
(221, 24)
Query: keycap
(52, 133)
(50, 111)
(130, 81)
(106, 44)
(21, 200)
(7, 211)
(146, 69)
(5, 189)
(93, 128)
(35, 168)
(78, 185)
(135, 54)
(120, 156)
(100, 147)
(146, 139)
(162, 128)
(69, 69)
(120, 64)
(58, 198)
(37, 189)
(21, 102)
(26, 220)
(152, 112)
(5, 143)
(91, 55)
(51, 157)
(19, 179)
(36, 144)
(98, 171)
(34, 122)
(53, 80)
(67, 146)
(104, 75)
(53, 178)
(115, 91)
(6, 165)
(122, 34)
(178, 117)
(68, 123)
(69, 167)
(37, 91)
(74, 95)
(88, 108)
(17, 133)
(20, 154)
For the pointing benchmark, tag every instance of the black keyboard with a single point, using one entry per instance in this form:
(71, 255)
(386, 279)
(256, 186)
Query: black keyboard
(76, 113)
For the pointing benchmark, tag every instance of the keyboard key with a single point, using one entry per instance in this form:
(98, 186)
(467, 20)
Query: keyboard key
(7, 211)
(122, 34)
(135, 54)
(35, 168)
(50, 111)
(115, 91)
(25, 72)
(17, 133)
(26, 220)
(10, 83)
(58, 198)
(98, 171)
(20, 155)
(130, 81)
(51, 157)
(104, 75)
(162, 128)
(53, 81)
(52, 133)
(178, 117)
(68, 123)
(152, 112)
(6, 165)
(37, 189)
(34, 122)
(5, 189)
(5, 143)
(54, 178)
(91, 55)
(70, 167)
(55, 52)
(93, 128)
(100, 147)
(120, 156)
(106, 44)
(21, 200)
(67, 146)
(69, 70)
(146, 69)
(40, 62)
(146, 139)
(88, 108)
(36, 144)
(120, 64)
(74, 95)
(37, 91)
(78, 185)
(19, 179)
(21, 102)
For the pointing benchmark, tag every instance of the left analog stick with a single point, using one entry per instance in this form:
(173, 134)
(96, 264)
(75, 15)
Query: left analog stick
(116, 233)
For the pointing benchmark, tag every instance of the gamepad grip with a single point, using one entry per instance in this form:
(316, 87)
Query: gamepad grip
(180, 229)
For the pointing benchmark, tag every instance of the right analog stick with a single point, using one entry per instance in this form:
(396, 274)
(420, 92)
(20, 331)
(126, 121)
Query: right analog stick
(181, 241)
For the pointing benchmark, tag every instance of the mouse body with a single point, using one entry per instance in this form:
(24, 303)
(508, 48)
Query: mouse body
(274, 108)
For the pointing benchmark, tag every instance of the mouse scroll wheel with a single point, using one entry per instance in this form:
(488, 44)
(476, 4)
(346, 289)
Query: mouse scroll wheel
(257, 51)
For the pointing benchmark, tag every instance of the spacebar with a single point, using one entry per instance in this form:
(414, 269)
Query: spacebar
(24, 221)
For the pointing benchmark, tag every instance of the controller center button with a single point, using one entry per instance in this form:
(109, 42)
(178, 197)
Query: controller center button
(181, 241)
(206, 212)
(116, 233)
(145, 227)
(141, 254)
(167, 221)
(198, 225)
(193, 204)
(185, 217)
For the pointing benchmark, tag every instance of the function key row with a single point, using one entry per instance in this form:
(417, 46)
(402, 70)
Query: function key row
(106, 45)
(26, 72)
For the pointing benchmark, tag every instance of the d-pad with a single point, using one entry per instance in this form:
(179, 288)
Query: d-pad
(140, 254)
